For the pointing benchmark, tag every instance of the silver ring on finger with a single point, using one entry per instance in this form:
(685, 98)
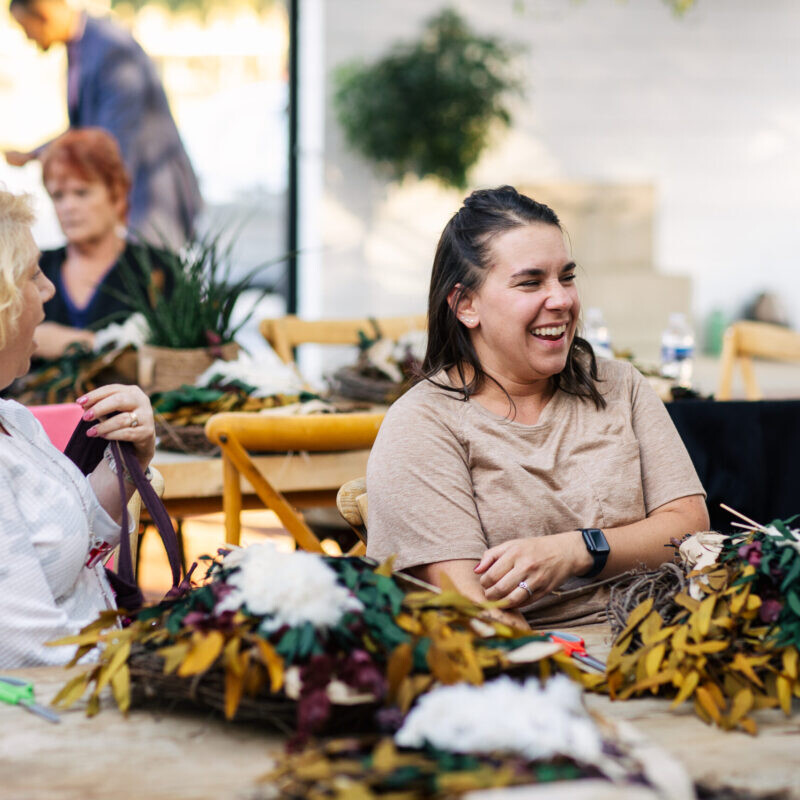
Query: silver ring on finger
(524, 585)
(134, 421)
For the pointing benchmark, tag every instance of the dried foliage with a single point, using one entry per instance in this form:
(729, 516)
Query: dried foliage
(733, 651)
(372, 767)
(391, 651)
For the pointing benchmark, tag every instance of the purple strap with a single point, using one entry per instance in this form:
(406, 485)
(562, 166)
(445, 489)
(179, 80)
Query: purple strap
(87, 453)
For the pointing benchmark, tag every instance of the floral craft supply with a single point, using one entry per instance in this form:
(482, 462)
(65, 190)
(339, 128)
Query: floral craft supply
(256, 640)
(291, 589)
(463, 738)
(734, 650)
(539, 722)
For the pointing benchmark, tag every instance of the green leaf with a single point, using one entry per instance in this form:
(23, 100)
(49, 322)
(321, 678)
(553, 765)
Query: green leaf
(794, 601)
(792, 575)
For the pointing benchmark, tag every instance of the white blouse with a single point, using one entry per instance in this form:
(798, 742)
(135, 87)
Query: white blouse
(49, 520)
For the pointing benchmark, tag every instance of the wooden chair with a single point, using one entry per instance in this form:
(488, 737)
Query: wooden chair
(238, 433)
(286, 333)
(745, 340)
(351, 500)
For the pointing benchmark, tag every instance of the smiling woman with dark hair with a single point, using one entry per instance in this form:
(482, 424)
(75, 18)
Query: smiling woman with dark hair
(522, 468)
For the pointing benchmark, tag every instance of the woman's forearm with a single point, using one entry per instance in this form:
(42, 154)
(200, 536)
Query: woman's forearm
(105, 485)
(52, 339)
(646, 543)
(461, 573)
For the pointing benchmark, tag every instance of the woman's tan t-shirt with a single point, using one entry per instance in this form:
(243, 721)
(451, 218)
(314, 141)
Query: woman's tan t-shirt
(448, 479)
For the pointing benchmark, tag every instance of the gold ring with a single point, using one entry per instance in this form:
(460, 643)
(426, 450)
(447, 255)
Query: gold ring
(134, 420)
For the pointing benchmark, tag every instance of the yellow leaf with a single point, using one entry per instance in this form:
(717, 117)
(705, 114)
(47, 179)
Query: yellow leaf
(688, 685)
(174, 655)
(716, 693)
(744, 665)
(653, 659)
(749, 725)
(706, 702)
(205, 650)
(73, 690)
(93, 706)
(753, 602)
(234, 683)
(119, 657)
(679, 638)
(739, 599)
(121, 688)
(409, 624)
(273, 662)
(231, 656)
(91, 637)
(742, 703)
(636, 616)
(399, 668)
(650, 627)
(688, 602)
(789, 659)
(384, 756)
(386, 568)
(712, 646)
(703, 615)
(784, 687)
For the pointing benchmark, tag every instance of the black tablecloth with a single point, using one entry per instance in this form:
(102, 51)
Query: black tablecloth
(747, 455)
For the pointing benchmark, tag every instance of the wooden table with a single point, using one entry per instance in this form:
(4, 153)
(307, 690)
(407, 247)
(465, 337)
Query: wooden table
(193, 483)
(169, 756)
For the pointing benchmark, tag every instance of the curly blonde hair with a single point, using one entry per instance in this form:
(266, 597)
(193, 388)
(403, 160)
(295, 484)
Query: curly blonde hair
(16, 218)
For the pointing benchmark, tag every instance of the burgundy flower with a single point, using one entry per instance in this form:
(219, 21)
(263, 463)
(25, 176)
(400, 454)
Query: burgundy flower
(390, 719)
(770, 610)
(313, 711)
(751, 553)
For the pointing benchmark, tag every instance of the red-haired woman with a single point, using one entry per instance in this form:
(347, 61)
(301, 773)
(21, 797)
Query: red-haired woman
(86, 179)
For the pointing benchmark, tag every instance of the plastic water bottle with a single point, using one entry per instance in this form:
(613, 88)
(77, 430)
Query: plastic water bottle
(677, 350)
(595, 331)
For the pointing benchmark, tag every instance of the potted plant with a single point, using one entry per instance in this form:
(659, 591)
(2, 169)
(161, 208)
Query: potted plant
(428, 107)
(189, 318)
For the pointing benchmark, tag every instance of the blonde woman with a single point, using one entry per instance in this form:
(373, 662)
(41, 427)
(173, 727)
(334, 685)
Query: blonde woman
(51, 516)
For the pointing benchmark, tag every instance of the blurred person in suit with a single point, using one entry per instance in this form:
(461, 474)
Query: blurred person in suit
(87, 181)
(113, 84)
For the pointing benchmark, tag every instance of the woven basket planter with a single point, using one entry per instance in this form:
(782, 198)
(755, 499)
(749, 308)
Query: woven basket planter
(352, 383)
(162, 369)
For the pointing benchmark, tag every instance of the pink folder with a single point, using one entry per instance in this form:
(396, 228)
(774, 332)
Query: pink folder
(58, 420)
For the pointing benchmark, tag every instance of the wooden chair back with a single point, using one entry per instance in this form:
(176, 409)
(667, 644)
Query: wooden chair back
(240, 434)
(286, 333)
(746, 340)
(351, 500)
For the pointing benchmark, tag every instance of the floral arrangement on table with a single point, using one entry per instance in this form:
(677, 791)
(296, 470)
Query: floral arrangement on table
(247, 383)
(293, 638)
(385, 367)
(463, 738)
(728, 637)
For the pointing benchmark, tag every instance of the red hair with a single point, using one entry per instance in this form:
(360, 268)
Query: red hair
(93, 155)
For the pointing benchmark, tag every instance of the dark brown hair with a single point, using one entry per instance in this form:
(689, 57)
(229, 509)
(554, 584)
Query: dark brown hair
(463, 257)
(93, 155)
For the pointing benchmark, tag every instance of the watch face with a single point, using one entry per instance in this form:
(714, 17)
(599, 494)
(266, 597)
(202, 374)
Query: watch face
(596, 540)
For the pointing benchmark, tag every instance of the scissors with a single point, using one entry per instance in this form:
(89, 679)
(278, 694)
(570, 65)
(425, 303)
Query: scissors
(575, 648)
(17, 692)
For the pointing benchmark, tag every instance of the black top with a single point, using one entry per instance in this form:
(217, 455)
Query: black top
(104, 306)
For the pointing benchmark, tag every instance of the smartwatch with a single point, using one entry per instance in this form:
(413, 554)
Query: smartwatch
(597, 544)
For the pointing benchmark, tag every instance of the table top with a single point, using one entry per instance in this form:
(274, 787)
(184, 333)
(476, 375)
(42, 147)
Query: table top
(161, 755)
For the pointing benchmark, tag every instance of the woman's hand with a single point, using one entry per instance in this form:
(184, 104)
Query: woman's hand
(132, 423)
(543, 562)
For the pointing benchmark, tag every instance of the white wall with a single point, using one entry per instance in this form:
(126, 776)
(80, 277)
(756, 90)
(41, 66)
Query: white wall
(706, 107)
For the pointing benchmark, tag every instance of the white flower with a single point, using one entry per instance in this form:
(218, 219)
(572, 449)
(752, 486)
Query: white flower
(292, 588)
(698, 551)
(504, 716)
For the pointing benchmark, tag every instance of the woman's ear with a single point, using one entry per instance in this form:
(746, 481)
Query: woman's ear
(461, 302)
